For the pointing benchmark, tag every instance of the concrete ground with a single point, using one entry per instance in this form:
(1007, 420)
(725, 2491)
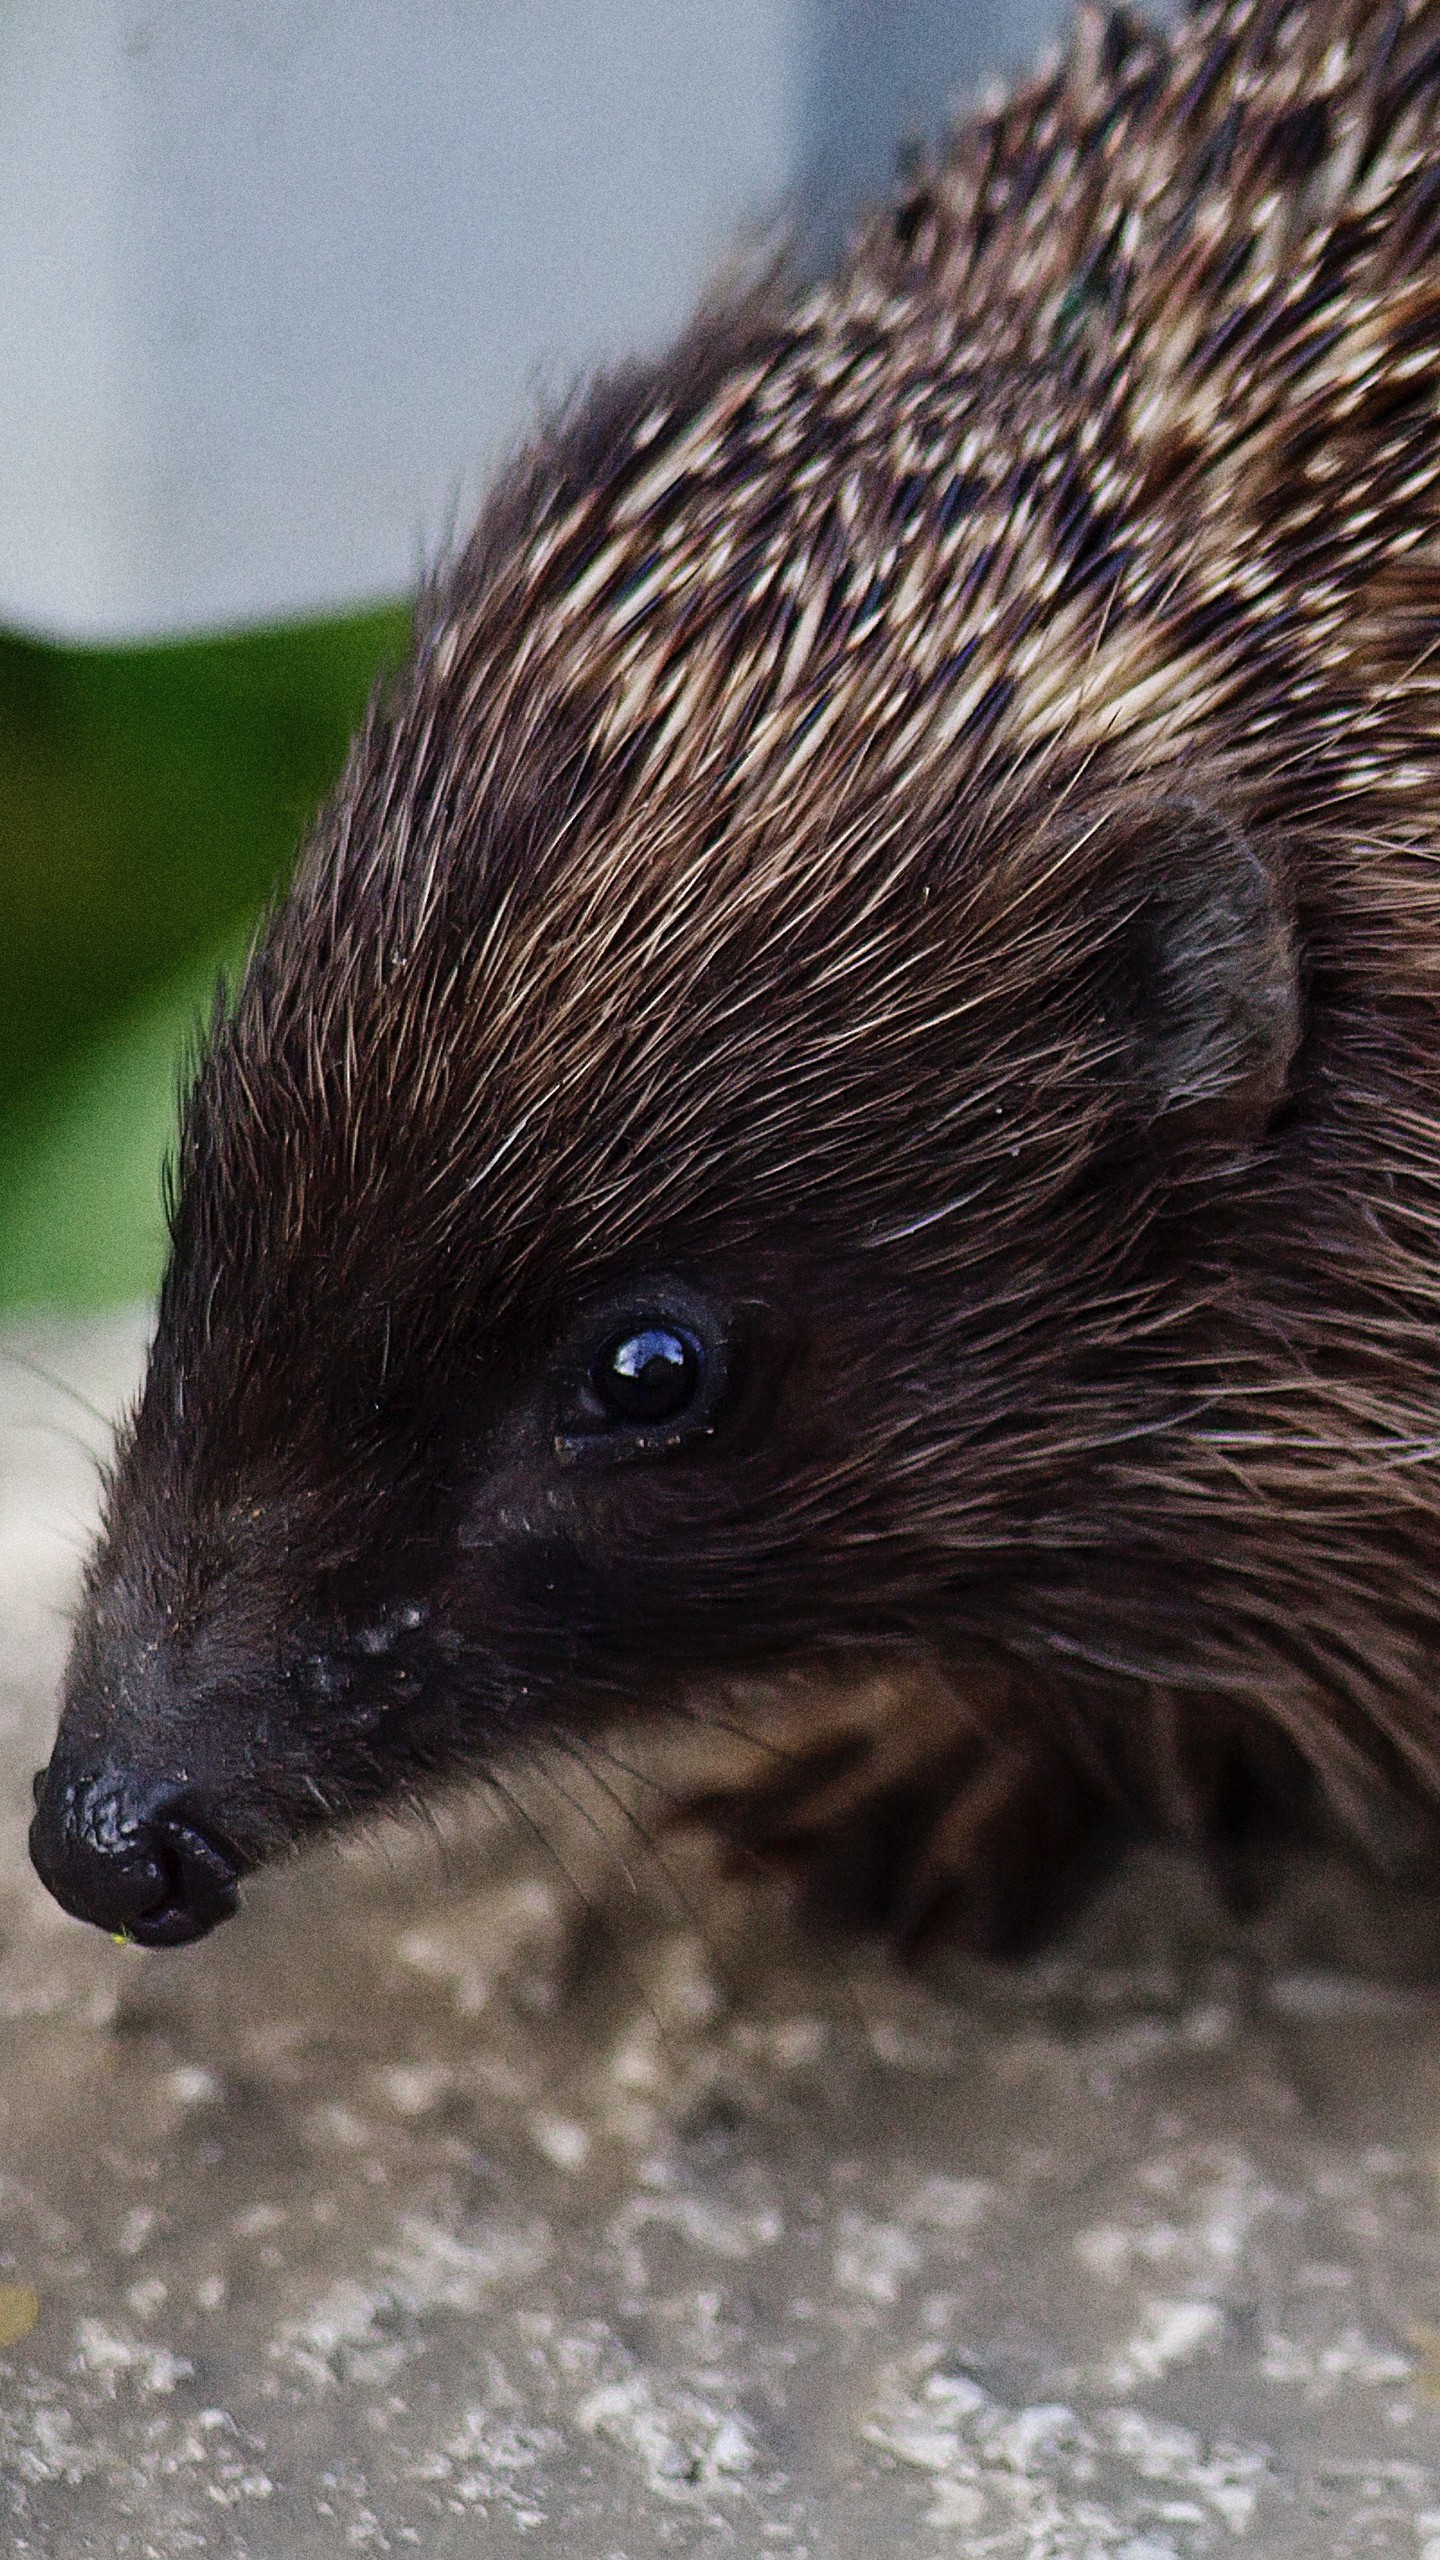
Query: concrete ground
(420, 2210)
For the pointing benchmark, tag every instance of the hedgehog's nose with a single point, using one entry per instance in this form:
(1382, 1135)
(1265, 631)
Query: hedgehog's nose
(134, 1859)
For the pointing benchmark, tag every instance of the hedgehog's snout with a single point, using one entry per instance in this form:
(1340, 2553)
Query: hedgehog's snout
(129, 1829)
(134, 1855)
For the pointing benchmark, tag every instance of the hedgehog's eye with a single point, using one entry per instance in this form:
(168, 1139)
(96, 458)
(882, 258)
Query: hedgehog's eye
(651, 1380)
(650, 1375)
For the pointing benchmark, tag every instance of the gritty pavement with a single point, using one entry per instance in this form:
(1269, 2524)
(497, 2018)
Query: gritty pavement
(442, 2204)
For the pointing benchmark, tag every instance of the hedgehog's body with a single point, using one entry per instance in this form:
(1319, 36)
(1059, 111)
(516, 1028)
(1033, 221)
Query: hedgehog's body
(902, 877)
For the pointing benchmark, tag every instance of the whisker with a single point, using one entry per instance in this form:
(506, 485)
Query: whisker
(587, 1817)
(586, 1901)
(579, 1750)
(51, 1378)
(57, 1430)
(840, 1979)
(692, 1714)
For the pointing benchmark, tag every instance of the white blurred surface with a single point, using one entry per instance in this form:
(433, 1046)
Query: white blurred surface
(279, 279)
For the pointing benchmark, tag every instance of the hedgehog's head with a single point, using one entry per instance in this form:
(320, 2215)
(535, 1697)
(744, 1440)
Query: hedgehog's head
(689, 1180)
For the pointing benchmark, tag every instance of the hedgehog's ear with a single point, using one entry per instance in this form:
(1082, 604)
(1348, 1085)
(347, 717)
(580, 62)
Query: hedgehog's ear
(1208, 976)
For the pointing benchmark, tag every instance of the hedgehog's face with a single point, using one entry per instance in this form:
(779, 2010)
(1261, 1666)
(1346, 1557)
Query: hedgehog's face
(556, 1320)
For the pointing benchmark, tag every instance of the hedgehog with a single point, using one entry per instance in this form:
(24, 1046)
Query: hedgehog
(846, 1091)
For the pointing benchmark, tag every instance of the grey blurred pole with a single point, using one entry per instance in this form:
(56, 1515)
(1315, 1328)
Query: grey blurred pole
(879, 76)
(279, 279)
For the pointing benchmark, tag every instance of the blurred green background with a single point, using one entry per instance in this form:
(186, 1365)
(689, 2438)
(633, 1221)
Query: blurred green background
(150, 801)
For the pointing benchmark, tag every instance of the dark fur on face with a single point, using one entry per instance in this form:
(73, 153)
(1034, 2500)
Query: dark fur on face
(903, 861)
